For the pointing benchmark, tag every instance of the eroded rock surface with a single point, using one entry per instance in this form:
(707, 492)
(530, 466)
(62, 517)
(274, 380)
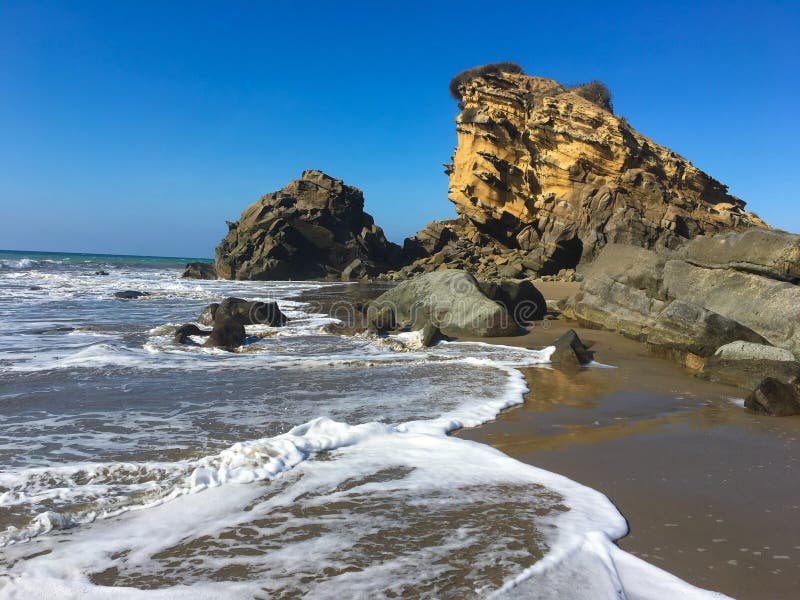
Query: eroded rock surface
(543, 169)
(315, 227)
(545, 175)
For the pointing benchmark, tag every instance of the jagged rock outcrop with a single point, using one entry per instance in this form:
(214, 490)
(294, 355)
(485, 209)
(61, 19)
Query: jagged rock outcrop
(315, 227)
(693, 302)
(542, 170)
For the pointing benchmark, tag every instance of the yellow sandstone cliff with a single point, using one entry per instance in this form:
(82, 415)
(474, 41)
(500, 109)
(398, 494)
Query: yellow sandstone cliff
(541, 169)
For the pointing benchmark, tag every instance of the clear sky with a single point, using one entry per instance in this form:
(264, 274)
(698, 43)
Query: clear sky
(140, 127)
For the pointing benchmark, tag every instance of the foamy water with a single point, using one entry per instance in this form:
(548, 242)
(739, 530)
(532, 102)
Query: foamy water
(307, 465)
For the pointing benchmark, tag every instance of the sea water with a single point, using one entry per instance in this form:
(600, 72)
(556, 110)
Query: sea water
(305, 465)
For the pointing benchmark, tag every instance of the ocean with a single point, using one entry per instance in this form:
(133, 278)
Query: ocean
(306, 465)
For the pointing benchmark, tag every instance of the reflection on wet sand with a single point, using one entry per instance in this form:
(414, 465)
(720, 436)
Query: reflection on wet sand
(707, 487)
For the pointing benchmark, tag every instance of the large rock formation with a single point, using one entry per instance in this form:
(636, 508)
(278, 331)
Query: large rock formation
(694, 303)
(315, 227)
(549, 177)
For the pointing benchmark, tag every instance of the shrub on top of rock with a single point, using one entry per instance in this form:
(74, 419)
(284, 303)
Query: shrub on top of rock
(463, 78)
(595, 92)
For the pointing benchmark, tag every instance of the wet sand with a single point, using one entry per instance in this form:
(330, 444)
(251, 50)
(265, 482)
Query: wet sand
(711, 492)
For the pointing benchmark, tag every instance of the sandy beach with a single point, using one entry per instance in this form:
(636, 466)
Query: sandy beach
(709, 490)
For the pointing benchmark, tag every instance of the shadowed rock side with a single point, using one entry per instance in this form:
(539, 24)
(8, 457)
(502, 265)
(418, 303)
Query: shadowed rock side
(542, 178)
(315, 227)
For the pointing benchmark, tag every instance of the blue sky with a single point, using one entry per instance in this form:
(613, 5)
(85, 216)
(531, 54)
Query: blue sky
(140, 127)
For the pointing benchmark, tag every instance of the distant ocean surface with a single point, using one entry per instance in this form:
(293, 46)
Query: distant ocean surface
(306, 465)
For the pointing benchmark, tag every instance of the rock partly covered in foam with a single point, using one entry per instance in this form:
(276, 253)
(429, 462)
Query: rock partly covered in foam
(314, 227)
(228, 319)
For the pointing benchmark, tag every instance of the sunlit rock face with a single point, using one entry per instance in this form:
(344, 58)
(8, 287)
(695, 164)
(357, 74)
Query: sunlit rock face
(541, 169)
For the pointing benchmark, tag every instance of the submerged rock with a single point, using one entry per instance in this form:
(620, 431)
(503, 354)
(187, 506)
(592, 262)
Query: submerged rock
(248, 312)
(199, 270)
(130, 295)
(451, 300)
(775, 397)
(184, 331)
(227, 334)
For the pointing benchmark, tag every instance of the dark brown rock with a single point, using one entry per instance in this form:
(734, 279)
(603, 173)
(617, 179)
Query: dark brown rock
(130, 295)
(199, 270)
(227, 334)
(775, 397)
(570, 352)
(184, 331)
(247, 312)
(207, 315)
(315, 227)
(520, 297)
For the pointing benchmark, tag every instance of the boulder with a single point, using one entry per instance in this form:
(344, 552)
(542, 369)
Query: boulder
(184, 331)
(660, 298)
(775, 397)
(769, 307)
(199, 270)
(570, 352)
(745, 364)
(450, 299)
(130, 295)
(315, 227)
(520, 297)
(247, 312)
(227, 334)
(684, 328)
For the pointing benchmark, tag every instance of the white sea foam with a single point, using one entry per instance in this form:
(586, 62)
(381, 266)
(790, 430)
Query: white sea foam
(368, 497)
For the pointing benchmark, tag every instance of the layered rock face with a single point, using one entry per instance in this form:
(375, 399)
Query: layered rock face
(719, 304)
(551, 177)
(314, 227)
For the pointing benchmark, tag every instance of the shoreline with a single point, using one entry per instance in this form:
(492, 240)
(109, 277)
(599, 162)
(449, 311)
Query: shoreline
(708, 489)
